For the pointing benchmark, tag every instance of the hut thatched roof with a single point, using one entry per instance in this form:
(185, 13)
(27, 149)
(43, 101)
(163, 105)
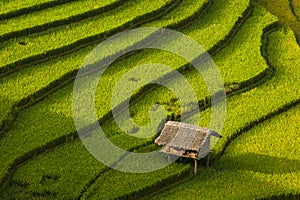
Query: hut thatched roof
(184, 136)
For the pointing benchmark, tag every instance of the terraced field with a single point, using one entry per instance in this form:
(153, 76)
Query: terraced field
(43, 45)
(287, 12)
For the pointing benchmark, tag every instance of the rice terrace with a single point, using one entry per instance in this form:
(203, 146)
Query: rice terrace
(254, 46)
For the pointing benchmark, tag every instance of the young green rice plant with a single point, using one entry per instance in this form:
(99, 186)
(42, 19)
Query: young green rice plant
(57, 112)
(89, 168)
(185, 12)
(132, 185)
(250, 106)
(12, 8)
(76, 35)
(101, 189)
(240, 61)
(79, 10)
(36, 48)
(121, 139)
(38, 80)
(240, 170)
(266, 153)
(53, 17)
(29, 81)
(257, 104)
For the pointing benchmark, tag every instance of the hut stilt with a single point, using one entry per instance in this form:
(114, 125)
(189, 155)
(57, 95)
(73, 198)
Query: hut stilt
(195, 167)
(207, 161)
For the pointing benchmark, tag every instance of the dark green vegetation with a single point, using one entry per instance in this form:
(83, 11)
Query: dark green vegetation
(288, 12)
(41, 156)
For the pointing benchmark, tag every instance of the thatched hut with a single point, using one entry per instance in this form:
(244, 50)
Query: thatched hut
(186, 140)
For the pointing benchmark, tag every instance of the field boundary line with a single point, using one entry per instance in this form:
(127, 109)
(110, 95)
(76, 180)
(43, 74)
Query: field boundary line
(292, 8)
(34, 8)
(254, 123)
(282, 197)
(92, 181)
(265, 42)
(143, 192)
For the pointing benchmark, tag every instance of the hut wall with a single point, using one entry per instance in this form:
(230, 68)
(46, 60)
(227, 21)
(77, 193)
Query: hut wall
(204, 151)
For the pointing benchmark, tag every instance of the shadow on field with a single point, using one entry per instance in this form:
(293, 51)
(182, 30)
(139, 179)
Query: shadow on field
(260, 163)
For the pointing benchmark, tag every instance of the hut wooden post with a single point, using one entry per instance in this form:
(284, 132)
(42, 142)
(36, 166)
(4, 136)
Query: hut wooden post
(207, 161)
(195, 167)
